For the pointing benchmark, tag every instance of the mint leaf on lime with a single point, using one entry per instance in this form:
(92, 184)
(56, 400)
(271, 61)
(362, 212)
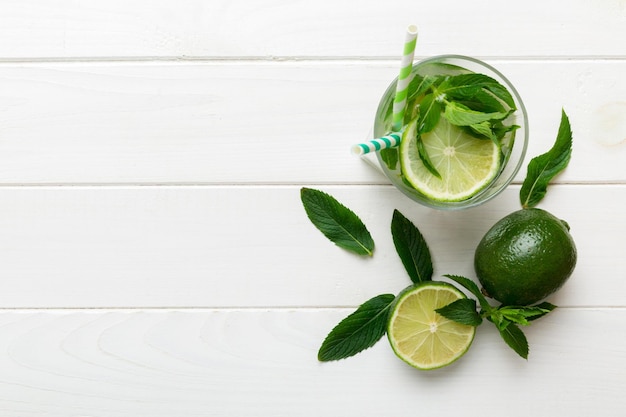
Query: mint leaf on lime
(471, 286)
(462, 311)
(543, 168)
(423, 154)
(427, 119)
(430, 112)
(359, 331)
(337, 222)
(412, 248)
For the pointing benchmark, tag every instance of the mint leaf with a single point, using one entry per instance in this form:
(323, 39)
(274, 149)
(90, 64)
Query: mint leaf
(543, 168)
(419, 85)
(482, 101)
(389, 157)
(471, 286)
(484, 129)
(337, 222)
(522, 315)
(545, 306)
(430, 113)
(499, 129)
(359, 331)
(497, 318)
(515, 338)
(461, 115)
(462, 311)
(411, 248)
(421, 151)
(468, 85)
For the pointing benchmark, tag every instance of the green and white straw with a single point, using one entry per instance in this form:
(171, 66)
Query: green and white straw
(399, 102)
(389, 141)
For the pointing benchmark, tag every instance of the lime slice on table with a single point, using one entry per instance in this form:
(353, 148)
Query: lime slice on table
(466, 164)
(422, 337)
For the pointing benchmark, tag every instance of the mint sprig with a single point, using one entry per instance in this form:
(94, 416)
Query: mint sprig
(337, 222)
(358, 331)
(543, 168)
(505, 318)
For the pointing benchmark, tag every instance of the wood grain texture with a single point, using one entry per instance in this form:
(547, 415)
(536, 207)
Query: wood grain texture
(278, 123)
(270, 28)
(247, 362)
(254, 246)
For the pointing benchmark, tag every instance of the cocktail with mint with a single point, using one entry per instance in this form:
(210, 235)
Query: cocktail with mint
(462, 133)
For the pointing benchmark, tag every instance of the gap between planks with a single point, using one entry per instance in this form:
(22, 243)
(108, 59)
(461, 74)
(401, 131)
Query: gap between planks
(287, 59)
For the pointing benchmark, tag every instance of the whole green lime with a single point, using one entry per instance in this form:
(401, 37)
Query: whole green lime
(525, 257)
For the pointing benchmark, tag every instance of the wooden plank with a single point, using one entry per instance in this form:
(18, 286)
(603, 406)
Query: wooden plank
(196, 28)
(253, 246)
(242, 362)
(208, 123)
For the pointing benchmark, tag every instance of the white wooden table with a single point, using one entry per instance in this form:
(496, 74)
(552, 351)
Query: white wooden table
(155, 259)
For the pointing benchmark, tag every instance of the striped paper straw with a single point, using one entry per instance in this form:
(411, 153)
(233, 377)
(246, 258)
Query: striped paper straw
(399, 102)
(389, 141)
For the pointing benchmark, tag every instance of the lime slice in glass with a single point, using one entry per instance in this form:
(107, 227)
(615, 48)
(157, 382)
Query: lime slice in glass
(422, 337)
(466, 164)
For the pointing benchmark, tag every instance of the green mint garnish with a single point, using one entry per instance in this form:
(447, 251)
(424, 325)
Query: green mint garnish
(460, 115)
(419, 85)
(462, 311)
(423, 154)
(337, 222)
(515, 338)
(473, 101)
(546, 307)
(429, 114)
(522, 315)
(359, 331)
(543, 168)
(471, 286)
(411, 248)
(465, 86)
(390, 157)
(505, 318)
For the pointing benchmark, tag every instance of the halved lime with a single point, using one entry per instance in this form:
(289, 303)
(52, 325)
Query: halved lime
(422, 337)
(466, 164)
